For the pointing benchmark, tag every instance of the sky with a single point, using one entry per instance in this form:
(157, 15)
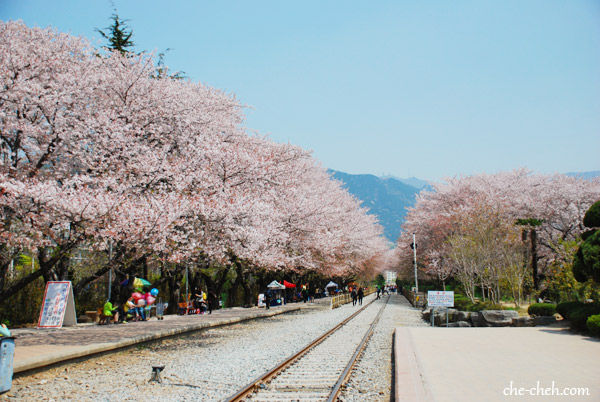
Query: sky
(404, 88)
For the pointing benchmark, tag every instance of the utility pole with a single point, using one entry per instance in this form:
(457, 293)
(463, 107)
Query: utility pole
(414, 247)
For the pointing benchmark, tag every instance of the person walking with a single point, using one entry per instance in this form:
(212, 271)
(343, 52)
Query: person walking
(268, 299)
(378, 292)
(360, 295)
(353, 295)
(211, 299)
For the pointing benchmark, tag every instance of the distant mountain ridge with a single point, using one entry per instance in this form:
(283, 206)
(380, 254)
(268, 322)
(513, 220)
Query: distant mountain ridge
(386, 197)
(411, 181)
(585, 175)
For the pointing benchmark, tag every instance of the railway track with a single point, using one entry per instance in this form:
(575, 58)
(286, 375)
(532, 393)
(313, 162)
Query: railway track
(318, 371)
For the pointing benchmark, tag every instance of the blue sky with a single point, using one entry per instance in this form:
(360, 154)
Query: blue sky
(427, 89)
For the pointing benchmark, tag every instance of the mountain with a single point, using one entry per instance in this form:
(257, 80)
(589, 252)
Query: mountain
(388, 197)
(585, 175)
(411, 181)
(385, 197)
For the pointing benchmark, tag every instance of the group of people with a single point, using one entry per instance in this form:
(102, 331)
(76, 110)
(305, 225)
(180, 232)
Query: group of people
(203, 302)
(357, 296)
(134, 309)
(383, 290)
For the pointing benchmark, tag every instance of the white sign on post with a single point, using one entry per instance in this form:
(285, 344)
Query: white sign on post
(58, 306)
(438, 298)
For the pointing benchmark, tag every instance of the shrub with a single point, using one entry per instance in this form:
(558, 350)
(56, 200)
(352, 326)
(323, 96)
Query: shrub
(542, 309)
(578, 317)
(565, 309)
(593, 324)
(463, 303)
(592, 216)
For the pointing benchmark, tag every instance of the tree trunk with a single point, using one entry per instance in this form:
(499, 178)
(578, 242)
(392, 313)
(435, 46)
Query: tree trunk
(534, 265)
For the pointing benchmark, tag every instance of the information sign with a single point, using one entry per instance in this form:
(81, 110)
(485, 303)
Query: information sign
(58, 306)
(438, 298)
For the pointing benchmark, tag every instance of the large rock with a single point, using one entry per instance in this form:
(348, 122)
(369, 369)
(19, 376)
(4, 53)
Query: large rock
(452, 314)
(525, 321)
(497, 318)
(461, 324)
(477, 319)
(439, 315)
(462, 316)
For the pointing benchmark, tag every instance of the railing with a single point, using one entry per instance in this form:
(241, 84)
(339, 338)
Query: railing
(340, 300)
(416, 299)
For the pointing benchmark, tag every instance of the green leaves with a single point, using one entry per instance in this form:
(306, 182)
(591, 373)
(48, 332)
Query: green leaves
(118, 34)
(592, 216)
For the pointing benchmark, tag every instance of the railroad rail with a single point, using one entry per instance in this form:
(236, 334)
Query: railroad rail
(320, 369)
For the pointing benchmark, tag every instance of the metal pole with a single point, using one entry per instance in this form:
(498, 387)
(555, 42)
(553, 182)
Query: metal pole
(415, 258)
(110, 269)
(187, 296)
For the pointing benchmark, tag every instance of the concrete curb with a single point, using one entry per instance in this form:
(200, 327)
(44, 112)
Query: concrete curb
(75, 352)
(409, 384)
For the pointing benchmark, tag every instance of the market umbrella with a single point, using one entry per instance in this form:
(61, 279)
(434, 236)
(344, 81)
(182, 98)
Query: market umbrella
(288, 284)
(140, 283)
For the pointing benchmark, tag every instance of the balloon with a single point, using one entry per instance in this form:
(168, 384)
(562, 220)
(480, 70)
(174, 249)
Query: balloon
(150, 300)
(154, 292)
(141, 302)
(137, 295)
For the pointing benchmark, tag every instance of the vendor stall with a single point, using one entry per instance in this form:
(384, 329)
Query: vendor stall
(331, 288)
(276, 290)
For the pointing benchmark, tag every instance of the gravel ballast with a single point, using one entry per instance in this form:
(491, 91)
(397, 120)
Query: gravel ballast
(371, 378)
(213, 364)
(207, 365)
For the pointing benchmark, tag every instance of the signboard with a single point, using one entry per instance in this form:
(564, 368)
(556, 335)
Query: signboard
(438, 298)
(58, 306)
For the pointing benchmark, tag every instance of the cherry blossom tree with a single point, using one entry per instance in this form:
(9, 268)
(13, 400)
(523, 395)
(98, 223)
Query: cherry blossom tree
(97, 149)
(558, 202)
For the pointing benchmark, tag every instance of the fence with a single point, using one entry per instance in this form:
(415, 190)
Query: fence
(340, 300)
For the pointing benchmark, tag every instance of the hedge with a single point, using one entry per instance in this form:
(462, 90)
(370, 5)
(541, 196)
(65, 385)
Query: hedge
(579, 317)
(593, 324)
(565, 309)
(542, 309)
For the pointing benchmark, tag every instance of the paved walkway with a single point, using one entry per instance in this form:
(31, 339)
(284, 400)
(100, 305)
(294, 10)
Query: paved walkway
(492, 364)
(36, 348)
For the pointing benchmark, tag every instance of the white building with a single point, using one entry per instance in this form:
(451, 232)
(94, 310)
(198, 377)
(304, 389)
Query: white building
(390, 277)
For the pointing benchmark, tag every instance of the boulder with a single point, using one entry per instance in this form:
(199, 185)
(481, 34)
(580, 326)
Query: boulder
(452, 314)
(477, 319)
(458, 324)
(525, 321)
(544, 320)
(462, 316)
(498, 318)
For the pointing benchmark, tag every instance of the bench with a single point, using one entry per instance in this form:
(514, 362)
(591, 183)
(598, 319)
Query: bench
(94, 315)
